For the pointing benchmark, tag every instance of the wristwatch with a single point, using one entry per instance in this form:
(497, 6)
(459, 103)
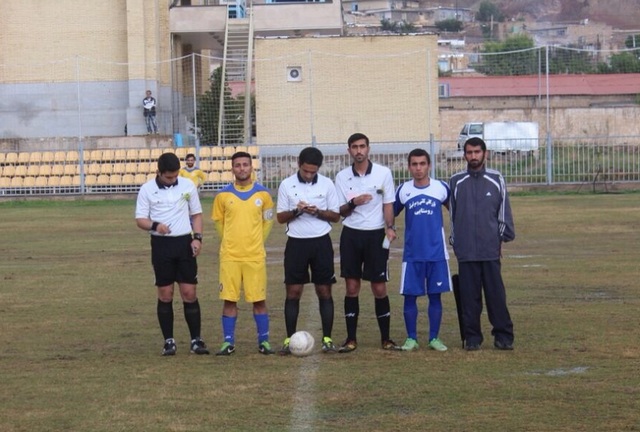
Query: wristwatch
(197, 236)
(392, 227)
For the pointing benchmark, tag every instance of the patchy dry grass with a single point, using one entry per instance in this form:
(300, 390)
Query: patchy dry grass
(80, 341)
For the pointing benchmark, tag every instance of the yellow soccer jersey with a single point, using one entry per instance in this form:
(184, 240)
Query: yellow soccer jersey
(196, 175)
(243, 217)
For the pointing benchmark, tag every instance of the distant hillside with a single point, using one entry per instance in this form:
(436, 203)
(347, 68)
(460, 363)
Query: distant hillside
(620, 14)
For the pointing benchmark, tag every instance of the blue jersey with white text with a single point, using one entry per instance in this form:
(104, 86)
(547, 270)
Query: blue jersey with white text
(424, 238)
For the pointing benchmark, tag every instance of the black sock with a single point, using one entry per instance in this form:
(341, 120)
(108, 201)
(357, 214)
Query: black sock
(165, 318)
(351, 312)
(326, 316)
(291, 311)
(383, 314)
(192, 316)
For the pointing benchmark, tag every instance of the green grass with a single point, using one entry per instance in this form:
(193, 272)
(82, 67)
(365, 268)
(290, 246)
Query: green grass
(80, 340)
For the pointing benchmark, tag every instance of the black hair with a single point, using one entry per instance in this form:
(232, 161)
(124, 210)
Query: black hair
(356, 137)
(417, 153)
(240, 154)
(475, 142)
(168, 162)
(190, 155)
(311, 156)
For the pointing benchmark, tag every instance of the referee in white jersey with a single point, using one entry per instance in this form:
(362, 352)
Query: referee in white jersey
(167, 207)
(308, 203)
(366, 193)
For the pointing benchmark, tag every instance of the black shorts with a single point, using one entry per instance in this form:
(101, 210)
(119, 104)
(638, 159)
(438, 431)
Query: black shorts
(173, 260)
(316, 254)
(362, 255)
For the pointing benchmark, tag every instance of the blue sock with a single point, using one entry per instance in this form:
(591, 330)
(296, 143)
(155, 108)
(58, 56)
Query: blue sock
(262, 326)
(411, 316)
(435, 315)
(229, 329)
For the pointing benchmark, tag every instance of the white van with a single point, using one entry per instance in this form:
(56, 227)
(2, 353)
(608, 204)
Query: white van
(502, 136)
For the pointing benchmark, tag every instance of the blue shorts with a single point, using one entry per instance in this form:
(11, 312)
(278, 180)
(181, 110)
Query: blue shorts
(423, 277)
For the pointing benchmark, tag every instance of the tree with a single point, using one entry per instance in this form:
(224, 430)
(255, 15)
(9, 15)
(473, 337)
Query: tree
(208, 116)
(450, 25)
(514, 56)
(488, 12)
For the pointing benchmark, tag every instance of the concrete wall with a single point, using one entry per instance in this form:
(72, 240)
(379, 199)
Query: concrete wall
(346, 85)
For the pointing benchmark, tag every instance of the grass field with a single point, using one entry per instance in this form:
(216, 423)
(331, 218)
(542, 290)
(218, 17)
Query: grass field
(80, 342)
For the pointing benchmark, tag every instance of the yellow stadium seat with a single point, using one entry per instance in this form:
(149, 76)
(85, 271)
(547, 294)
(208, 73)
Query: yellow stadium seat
(29, 181)
(147, 167)
(205, 165)
(128, 179)
(144, 154)
(115, 179)
(23, 157)
(241, 148)
(92, 168)
(119, 168)
(54, 181)
(90, 180)
(9, 171)
(71, 169)
(11, 158)
(21, 171)
(216, 152)
(103, 179)
(119, 155)
(226, 177)
(106, 168)
(228, 151)
(217, 165)
(253, 150)
(35, 157)
(48, 156)
(155, 153)
(68, 181)
(16, 182)
(44, 170)
(151, 176)
(33, 170)
(213, 176)
(94, 155)
(58, 170)
(256, 164)
(59, 156)
(5, 182)
(168, 150)
(107, 155)
(226, 165)
(140, 178)
(131, 168)
(72, 156)
(205, 152)
(42, 181)
(2, 156)
(132, 155)
(181, 152)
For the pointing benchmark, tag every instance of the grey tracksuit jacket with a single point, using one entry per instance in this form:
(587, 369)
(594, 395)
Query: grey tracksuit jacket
(481, 216)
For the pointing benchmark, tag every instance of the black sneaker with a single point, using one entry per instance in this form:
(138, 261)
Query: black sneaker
(472, 347)
(226, 350)
(169, 348)
(504, 346)
(285, 350)
(198, 346)
(348, 346)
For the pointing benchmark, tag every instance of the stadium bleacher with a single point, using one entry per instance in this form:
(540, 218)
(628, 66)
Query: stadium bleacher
(106, 170)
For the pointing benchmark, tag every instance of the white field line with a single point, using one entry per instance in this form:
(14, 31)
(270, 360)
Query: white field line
(304, 412)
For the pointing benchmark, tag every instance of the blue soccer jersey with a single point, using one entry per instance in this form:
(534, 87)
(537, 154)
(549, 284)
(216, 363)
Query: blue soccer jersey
(424, 231)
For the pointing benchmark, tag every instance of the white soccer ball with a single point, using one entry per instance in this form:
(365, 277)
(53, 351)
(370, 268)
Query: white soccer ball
(301, 343)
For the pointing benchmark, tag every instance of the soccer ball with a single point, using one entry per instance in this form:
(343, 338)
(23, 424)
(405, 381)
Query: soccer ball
(301, 343)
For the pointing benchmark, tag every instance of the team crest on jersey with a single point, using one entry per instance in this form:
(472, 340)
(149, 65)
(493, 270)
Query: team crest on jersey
(258, 202)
